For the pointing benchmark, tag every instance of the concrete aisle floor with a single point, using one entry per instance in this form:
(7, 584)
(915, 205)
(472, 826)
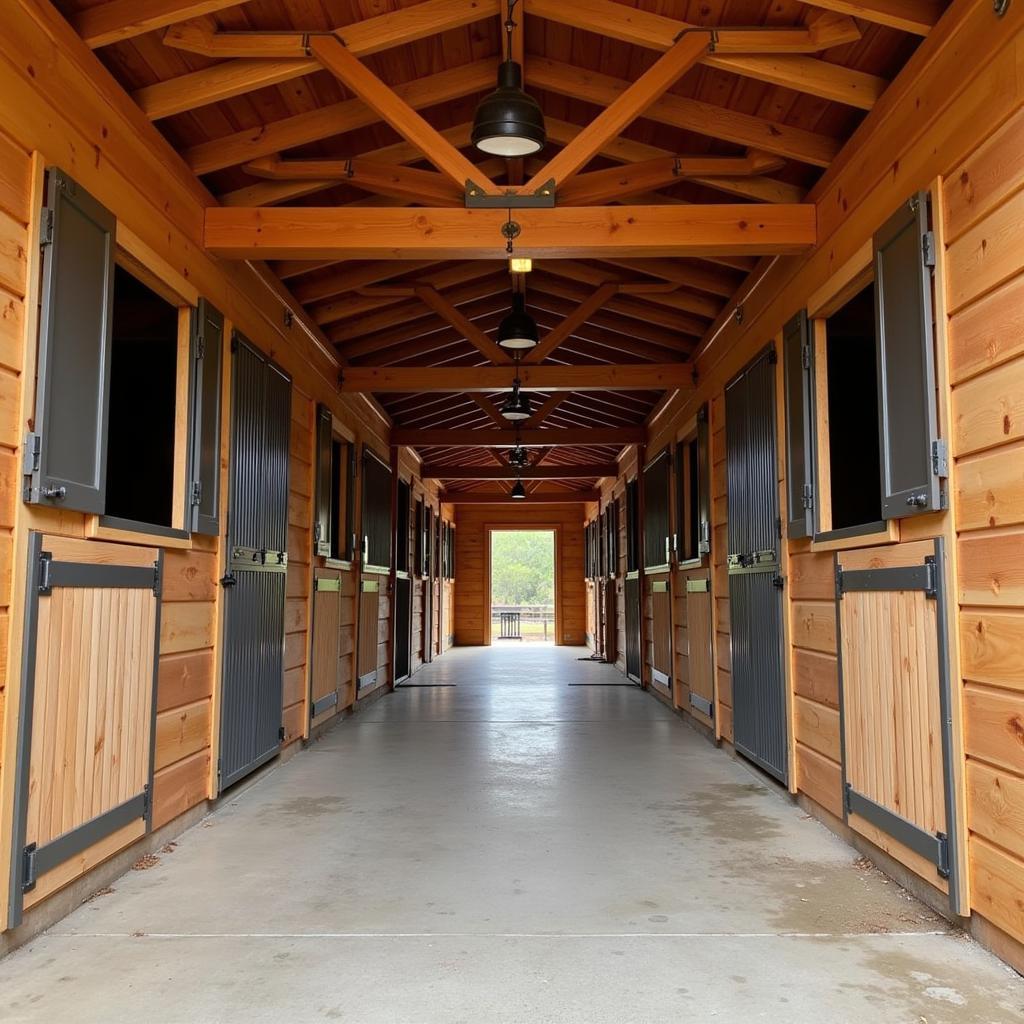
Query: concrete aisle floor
(508, 849)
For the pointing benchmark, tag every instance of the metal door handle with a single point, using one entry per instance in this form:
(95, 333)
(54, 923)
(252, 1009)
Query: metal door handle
(56, 493)
(917, 500)
(227, 580)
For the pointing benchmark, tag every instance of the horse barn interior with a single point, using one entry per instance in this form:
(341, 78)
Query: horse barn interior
(297, 310)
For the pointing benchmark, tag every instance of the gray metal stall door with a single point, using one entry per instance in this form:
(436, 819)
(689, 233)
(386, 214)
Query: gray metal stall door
(631, 595)
(256, 581)
(755, 592)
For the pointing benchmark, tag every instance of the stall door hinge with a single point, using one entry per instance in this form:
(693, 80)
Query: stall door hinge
(940, 458)
(44, 587)
(32, 454)
(280, 733)
(805, 356)
(28, 868)
(46, 228)
(839, 582)
(928, 248)
(147, 801)
(943, 866)
(197, 492)
(156, 578)
(808, 497)
(200, 347)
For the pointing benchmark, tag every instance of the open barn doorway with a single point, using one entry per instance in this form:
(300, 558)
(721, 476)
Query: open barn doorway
(522, 586)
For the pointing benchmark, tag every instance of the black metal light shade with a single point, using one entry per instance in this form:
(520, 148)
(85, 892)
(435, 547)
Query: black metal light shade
(518, 491)
(517, 405)
(518, 457)
(518, 330)
(508, 122)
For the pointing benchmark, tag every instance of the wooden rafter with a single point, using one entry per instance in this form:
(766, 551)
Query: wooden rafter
(390, 107)
(434, 300)
(489, 379)
(406, 183)
(690, 114)
(534, 498)
(594, 232)
(115, 20)
(915, 16)
(557, 437)
(577, 318)
(335, 119)
(622, 111)
(549, 406)
(236, 77)
(792, 71)
(585, 471)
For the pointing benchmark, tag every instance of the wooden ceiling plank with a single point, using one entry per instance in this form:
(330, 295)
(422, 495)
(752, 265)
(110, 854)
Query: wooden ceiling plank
(630, 104)
(689, 114)
(434, 300)
(490, 438)
(577, 318)
(740, 51)
(583, 232)
(487, 379)
(116, 20)
(915, 16)
(239, 76)
(390, 107)
(584, 471)
(334, 119)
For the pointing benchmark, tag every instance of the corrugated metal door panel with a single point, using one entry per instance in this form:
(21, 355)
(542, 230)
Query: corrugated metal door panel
(253, 665)
(403, 627)
(755, 599)
(207, 349)
(631, 595)
(799, 424)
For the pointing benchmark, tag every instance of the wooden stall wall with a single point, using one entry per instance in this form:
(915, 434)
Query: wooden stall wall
(15, 214)
(472, 595)
(719, 570)
(984, 211)
(73, 116)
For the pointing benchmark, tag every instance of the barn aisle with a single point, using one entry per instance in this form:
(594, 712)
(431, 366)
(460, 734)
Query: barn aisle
(503, 846)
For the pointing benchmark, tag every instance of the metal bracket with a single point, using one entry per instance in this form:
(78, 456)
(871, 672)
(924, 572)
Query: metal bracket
(28, 868)
(32, 454)
(45, 586)
(197, 492)
(157, 582)
(940, 458)
(1000, 7)
(928, 248)
(46, 232)
(543, 199)
(808, 496)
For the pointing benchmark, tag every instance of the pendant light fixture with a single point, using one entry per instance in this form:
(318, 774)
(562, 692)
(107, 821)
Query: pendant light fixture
(518, 331)
(517, 405)
(508, 122)
(518, 491)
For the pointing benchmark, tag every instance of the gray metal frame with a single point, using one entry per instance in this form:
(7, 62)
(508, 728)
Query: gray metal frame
(28, 861)
(939, 848)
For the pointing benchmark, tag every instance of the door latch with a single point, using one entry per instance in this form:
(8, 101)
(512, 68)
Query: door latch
(228, 580)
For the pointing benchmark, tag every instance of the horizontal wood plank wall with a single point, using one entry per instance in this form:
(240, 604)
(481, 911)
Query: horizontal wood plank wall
(471, 521)
(295, 693)
(15, 191)
(72, 113)
(985, 272)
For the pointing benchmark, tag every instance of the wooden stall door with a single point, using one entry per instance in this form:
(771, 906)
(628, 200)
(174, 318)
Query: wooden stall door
(325, 680)
(700, 665)
(85, 757)
(895, 699)
(660, 635)
(366, 646)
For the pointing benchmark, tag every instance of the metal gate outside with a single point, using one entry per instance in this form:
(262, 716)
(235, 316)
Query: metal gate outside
(257, 572)
(755, 586)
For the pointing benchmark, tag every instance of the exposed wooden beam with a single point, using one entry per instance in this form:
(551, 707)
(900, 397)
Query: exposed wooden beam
(431, 471)
(390, 107)
(235, 77)
(582, 232)
(335, 119)
(407, 183)
(549, 406)
(489, 379)
(690, 114)
(534, 498)
(791, 70)
(622, 111)
(583, 312)
(115, 20)
(717, 282)
(351, 278)
(444, 309)
(489, 408)
(572, 437)
(915, 16)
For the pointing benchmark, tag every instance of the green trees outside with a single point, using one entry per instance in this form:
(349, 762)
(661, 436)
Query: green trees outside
(523, 567)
